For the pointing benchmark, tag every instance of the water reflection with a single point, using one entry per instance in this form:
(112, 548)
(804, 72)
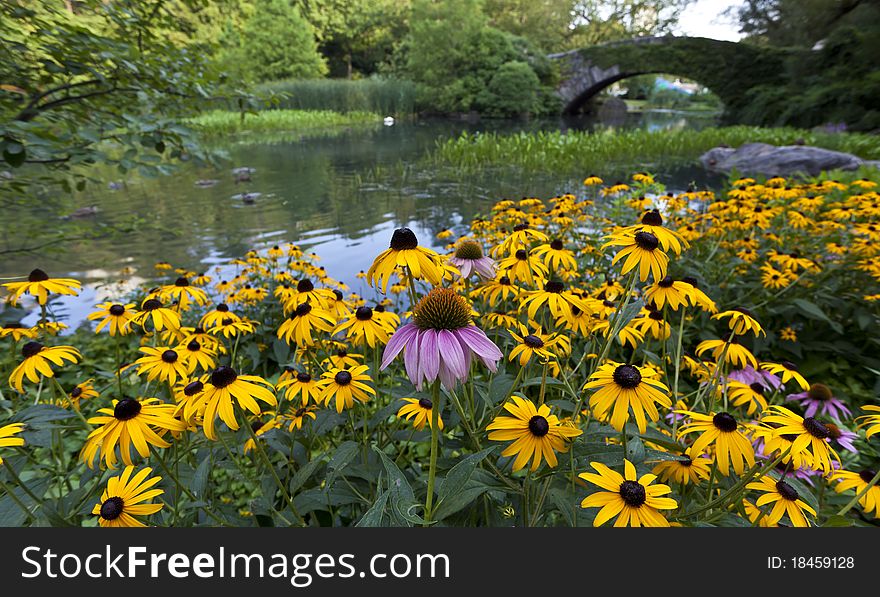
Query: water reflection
(340, 195)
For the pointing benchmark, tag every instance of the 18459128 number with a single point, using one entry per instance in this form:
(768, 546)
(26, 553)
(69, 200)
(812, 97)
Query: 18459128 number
(823, 562)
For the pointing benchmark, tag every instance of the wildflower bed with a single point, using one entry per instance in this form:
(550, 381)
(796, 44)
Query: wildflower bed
(621, 356)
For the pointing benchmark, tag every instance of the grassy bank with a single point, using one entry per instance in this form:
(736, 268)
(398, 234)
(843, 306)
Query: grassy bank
(222, 122)
(591, 151)
(382, 96)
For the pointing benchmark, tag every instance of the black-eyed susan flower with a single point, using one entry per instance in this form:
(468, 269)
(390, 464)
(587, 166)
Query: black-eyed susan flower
(365, 328)
(787, 371)
(230, 328)
(498, 290)
(440, 341)
(522, 236)
(404, 252)
(642, 250)
(667, 291)
(521, 266)
(17, 331)
(532, 343)
(38, 360)
(785, 500)
(684, 470)
(214, 317)
(130, 422)
(555, 296)
(224, 385)
(729, 349)
(343, 359)
(302, 322)
(871, 422)
(749, 396)
(345, 386)
(40, 286)
(261, 428)
(298, 416)
(592, 180)
(721, 429)
(537, 435)
(161, 317)
(197, 356)
(652, 223)
(182, 293)
(860, 482)
(116, 317)
(418, 411)
(7, 436)
(556, 256)
(300, 384)
(697, 297)
(635, 501)
(162, 363)
(810, 435)
(740, 321)
(306, 292)
(127, 498)
(621, 389)
(82, 391)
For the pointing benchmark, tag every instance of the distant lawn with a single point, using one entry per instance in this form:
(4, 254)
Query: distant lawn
(222, 122)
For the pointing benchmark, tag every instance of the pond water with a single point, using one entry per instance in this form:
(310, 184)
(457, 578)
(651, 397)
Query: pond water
(340, 195)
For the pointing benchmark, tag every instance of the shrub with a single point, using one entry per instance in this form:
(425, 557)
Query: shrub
(512, 90)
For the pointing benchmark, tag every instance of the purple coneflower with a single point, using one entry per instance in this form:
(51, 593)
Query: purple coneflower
(440, 341)
(469, 258)
(819, 398)
(749, 375)
(843, 437)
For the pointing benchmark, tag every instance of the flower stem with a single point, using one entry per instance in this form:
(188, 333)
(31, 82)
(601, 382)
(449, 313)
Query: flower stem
(860, 494)
(432, 469)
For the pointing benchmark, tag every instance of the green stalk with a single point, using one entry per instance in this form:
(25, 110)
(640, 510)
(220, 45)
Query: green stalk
(432, 470)
(860, 494)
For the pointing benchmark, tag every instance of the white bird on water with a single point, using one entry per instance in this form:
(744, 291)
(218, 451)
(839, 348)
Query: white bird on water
(388, 121)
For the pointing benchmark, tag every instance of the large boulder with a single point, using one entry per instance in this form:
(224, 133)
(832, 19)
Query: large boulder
(772, 160)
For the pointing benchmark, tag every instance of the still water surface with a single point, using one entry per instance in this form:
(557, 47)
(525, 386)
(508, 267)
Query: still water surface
(340, 195)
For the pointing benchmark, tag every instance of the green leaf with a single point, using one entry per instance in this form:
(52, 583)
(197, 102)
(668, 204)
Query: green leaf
(376, 514)
(281, 350)
(303, 473)
(200, 478)
(403, 499)
(340, 459)
(42, 413)
(838, 521)
(456, 479)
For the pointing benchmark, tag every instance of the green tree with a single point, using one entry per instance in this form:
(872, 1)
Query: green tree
(513, 90)
(275, 42)
(546, 23)
(97, 82)
(598, 21)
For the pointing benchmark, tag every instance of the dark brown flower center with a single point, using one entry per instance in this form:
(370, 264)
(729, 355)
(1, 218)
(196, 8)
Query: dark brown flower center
(556, 245)
(819, 391)
(789, 365)
(116, 310)
(867, 475)
(757, 388)
(305, 285)
(38, 275)
(126, 409)
(76, 392)
(30, 349)
(223, 376)
(533, 341)
(504, 281)
(665, 282)
(223, 308)
(181, 282)
(815, 428)
(194, 346)
(364, 313)
(539, 426)
(426, 403)
(521, 254)
(193, 388)
(554, 286)
(404, 239)
(303, 309)
(725, 422)
(633, 493)
(343, 378)
(627, 376)
(787, 491)
(652, 218)
(152, 305)
(112, 508)
(303, 377)
(169, 356)
(646, 241)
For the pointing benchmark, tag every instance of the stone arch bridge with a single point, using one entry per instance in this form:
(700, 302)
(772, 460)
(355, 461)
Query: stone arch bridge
(728, 69)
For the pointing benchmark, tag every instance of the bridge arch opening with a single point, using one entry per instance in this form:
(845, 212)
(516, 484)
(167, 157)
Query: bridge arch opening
(649, 90)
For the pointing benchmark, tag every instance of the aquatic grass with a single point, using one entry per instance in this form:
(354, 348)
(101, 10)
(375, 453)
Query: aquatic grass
(584, 151)
(388, 97)
(223, 122)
